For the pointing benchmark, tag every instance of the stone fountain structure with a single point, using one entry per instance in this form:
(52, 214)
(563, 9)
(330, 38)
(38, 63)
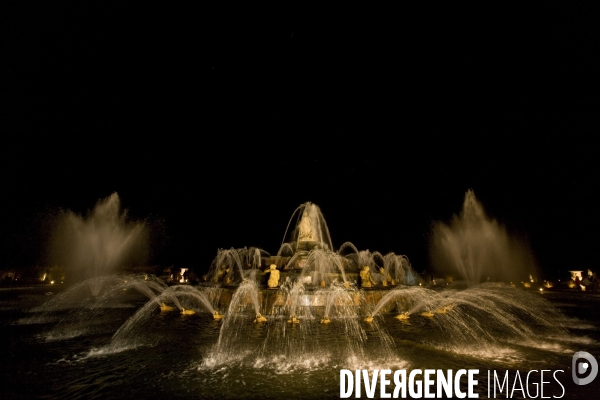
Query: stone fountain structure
(306, 259)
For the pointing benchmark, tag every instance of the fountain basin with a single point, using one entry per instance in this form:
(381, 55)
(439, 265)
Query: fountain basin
(274, 301)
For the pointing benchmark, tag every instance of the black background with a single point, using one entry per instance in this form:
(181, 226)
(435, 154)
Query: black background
(214, 122)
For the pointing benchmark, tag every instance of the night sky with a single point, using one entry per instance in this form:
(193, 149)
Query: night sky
(213, 123)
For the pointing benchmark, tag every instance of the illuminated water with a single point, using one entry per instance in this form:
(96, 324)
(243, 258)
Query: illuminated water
(110, 335)
(96, 244)
(474, 247)
(71, 352)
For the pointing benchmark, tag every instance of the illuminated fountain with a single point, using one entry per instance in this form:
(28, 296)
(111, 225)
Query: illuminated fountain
(306, 312)
(96, 250)
(479, 249)
(306, 254)
(484, 307)
(98, 244)
(319, 284)
(306, 260)
(306, 280)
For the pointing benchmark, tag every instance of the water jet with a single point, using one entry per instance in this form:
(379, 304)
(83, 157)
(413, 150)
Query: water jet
(97, 244)
(478, 248)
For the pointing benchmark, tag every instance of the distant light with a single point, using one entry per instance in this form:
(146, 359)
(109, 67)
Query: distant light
(52, 282)
(541, 289)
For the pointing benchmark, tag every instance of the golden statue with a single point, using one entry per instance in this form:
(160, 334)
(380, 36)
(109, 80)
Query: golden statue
(383, 277)
(222, 275)
(293, 320)
(402, 316)
(274, 277)
(386, 278)
(366, 278)
(325, 320)
(216, 315)
(187, 312)
(260, 318)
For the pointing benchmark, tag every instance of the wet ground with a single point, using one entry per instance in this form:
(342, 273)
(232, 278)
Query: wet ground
(84, 353)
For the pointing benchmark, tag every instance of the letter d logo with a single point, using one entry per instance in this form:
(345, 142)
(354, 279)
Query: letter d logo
(583, 367)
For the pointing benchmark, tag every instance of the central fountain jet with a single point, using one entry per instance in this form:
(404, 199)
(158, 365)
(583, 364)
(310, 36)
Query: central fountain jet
(311, 229)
